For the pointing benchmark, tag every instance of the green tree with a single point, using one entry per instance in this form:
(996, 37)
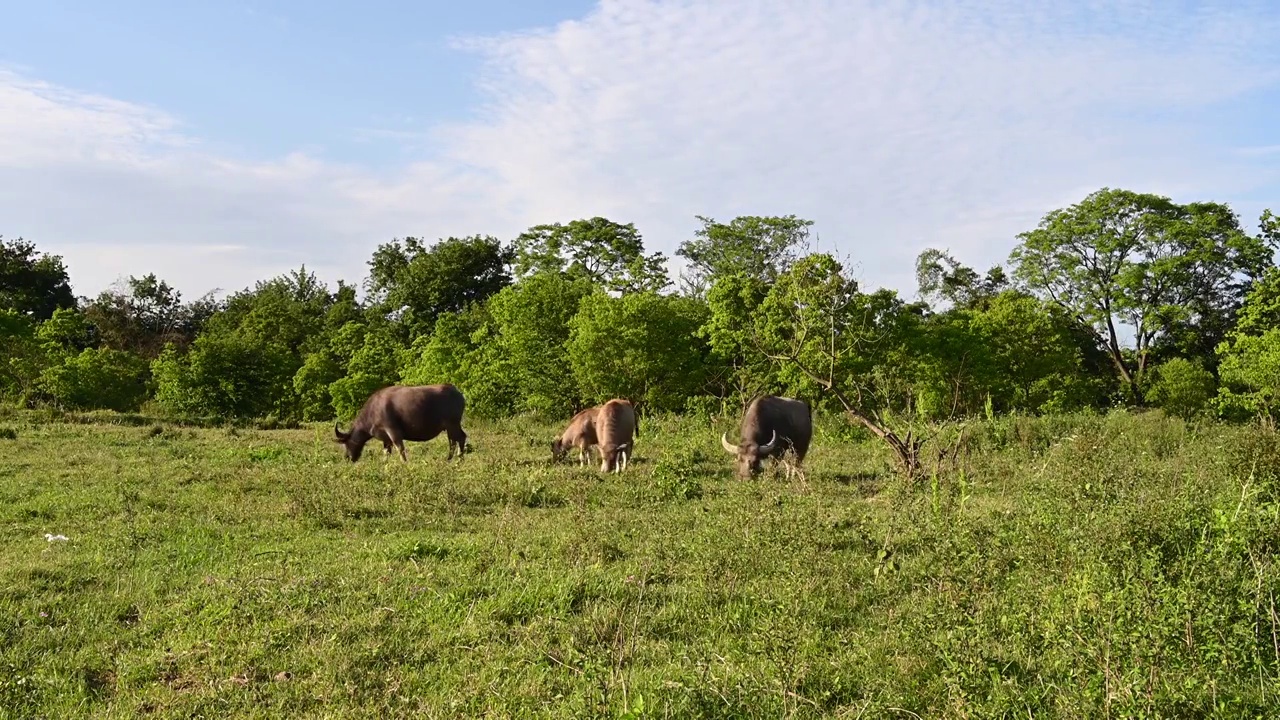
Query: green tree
(66, 333)
(642, 347)
(21, 357)
(1181, 387)
(373, 365)
(417, 284)
(225, 376)
(311, 385)
(757, 247)
(1042, 359)
(98, 379)
(532, 322)
(737, 368)
(604, 252)
(142, 315)
(1249, 369)
(1124, 259)
(288, 310)
(827, 335)
(465, 349)
(33, 284)
(941, 277)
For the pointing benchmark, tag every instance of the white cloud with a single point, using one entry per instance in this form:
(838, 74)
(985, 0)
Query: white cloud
(894, 124)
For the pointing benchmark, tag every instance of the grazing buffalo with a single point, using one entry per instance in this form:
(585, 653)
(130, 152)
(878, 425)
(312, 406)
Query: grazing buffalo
(769, 427)
(398, 413)
(615, 429)
(608, 427)
(581, 433)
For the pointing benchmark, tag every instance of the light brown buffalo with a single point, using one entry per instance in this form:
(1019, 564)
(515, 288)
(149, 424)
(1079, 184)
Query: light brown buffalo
(616, 429)
(609, 428)
(580, 433)
(407, 412)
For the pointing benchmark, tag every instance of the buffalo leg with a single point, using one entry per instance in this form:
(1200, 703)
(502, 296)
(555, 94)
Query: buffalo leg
(395, 439)
(459, 438)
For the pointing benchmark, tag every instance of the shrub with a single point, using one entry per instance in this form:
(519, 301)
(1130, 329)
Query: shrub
(98, 379)
(1182, 387)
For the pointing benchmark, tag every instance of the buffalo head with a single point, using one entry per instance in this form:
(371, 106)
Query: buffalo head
(559, 448)
(749, 454)
(349, 443)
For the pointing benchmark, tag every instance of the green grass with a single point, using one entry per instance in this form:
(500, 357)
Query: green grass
(1083, 566)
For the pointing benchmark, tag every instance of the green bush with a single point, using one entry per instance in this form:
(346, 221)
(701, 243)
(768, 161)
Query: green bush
(1182, 387)
(98, 379)
(225, 377)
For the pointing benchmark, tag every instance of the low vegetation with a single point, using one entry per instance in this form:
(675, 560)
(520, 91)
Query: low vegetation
(1076, 565)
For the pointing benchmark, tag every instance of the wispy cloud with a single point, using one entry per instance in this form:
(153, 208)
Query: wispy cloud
(893, 125)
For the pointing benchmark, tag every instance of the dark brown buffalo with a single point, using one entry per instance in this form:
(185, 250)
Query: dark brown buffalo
(407, 412)
(770, 426)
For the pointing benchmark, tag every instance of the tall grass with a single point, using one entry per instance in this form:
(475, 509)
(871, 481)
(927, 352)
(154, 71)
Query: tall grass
(1075, 566)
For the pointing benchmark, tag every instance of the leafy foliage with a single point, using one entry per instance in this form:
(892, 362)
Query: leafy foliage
(224, 376)
(1120, 258)
(761, 248)
(1123, 297)
(32, 284)
(98, 379)
(640, 346)
(603, 252)
(1182, 387)
(419, 284)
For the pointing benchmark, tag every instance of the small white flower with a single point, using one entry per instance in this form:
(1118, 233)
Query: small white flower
(52, 538)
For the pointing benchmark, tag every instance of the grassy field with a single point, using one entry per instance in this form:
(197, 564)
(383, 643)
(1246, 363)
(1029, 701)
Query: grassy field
(1083, 566)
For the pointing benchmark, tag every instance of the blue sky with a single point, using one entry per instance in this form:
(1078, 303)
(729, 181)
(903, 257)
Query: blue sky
(221, 143)
(339, 79)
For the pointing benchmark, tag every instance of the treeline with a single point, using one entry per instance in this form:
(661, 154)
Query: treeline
(1122, 299)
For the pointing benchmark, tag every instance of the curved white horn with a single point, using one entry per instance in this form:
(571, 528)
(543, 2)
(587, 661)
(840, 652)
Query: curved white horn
(768, 448)
(730, 448)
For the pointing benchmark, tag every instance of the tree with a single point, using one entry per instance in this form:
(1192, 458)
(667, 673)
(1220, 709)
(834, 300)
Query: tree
(21, 359)
(1181, 387)
(419, 284)
(1120, 258)
(464, 349)
(942, 277)
(287, 310)
(142, 315)
(736, 364)
(642, 347)
(98, 379)
(31, 283)
(757, 247)
(1042, 358)
(602, 251)
(225, 376)
(531, 318)
(1249, 368)
(819, 327)
(373, 365)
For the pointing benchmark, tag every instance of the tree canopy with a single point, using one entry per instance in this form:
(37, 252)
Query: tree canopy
(1122, 298)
